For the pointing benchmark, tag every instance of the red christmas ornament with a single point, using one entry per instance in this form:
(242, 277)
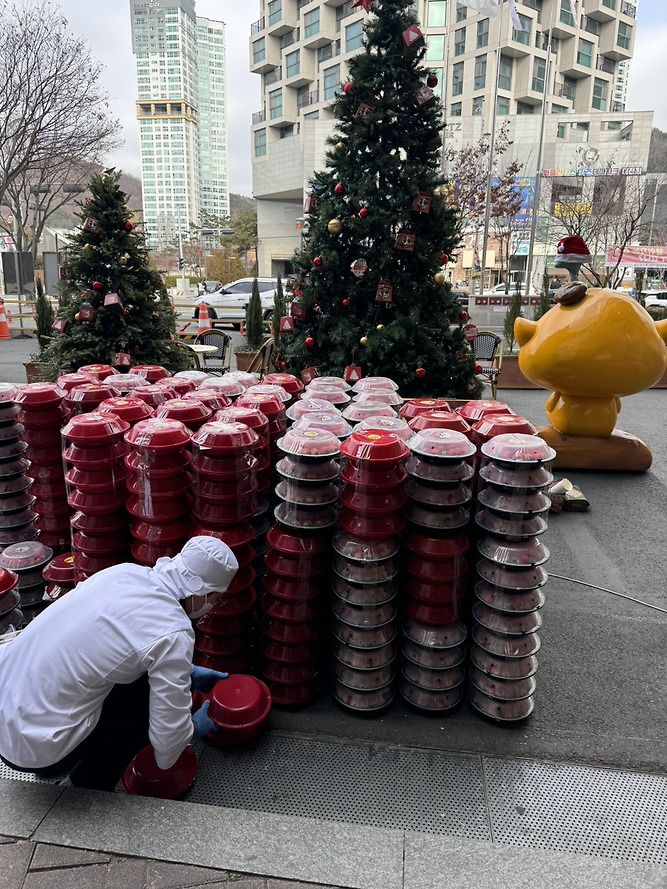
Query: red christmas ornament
(298, 292)
(365, 3)
(98, 285)
(478, 368)
(128, 226)
(309, 342)
(420, 372)
(364, 112)
(283, 365)
(345, 303)
(348, 87)
(318, 310)
(432, 81)
(317, 261)
(463, 316)
(126, 313)
(444, 259)
(339, 188)
(363, 213)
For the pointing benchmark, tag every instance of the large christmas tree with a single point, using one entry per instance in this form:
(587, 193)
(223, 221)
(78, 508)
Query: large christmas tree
(112, 304)
(369, 288)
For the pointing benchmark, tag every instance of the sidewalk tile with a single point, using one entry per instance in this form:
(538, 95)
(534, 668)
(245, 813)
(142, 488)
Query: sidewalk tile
(321, 852)
(242, 882)
(14, 861)
(288, 884)
(470, 864)
(164, 875)
(90, 877)
(23, 806)
(126, 873)
(7, 840)
(47, 857)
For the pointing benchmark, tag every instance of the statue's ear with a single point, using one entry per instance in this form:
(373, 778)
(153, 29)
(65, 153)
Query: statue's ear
(524, 330)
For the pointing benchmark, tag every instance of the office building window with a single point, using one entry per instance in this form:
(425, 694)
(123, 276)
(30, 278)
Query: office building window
(523, 36)
(524, 108)
(457, 79)
(292, 64)
(585, 54)
(284, 132)
(478, 104)
(566, 16)
(331, 82)
(456, 109)
(505, 73)
(260, 143)
(314, 115)
(482, 33)
(276, 104)
(259, 50)
(437, 10)
(275, 10)
(459, 42)
(561, 131)
(353, 36)
(569, 89)
(311, 21)
(437, 89)
(600, 88)
(503, 106)
(539, 74)
(558, 109)
(610, 4)
(435, 47)
(624, 35)
(324, 53)
(302, 96)
(461, 12)
(480, 73)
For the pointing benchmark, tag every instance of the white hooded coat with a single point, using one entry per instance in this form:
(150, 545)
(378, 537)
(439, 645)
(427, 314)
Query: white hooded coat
(111, 629)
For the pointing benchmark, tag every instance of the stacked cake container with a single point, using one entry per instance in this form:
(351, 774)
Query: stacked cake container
(512, 509)
(27, 560)
(17, 516)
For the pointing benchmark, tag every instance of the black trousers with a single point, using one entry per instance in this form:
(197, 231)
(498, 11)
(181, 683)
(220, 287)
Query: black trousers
(98, 762)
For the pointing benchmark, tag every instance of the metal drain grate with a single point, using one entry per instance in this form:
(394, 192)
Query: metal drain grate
(388, 787)
(576, 809)
(7, 774)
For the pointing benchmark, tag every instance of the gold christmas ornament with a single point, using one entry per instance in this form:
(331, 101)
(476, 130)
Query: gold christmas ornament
(440, 278)
(363, 341)
(335, 226)
(380, 327)
(340, 146)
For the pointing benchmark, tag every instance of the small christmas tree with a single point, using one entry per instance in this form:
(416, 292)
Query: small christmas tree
(254, 321)
(380, 227)
(111, 302)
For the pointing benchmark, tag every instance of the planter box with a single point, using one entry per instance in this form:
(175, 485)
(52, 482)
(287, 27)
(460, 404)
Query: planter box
(245, 359)
(510, 376)
(35, 372)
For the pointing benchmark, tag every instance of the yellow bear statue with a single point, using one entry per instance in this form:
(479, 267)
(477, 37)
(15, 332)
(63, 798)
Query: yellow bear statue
(592, 348)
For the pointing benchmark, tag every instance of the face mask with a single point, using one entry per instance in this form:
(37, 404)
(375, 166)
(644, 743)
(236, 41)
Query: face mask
(202, 610)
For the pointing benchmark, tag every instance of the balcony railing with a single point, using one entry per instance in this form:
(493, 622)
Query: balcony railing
(605, 64)
(591, 26)
(308, 99)
(258, 117)
(289, 39)
(567, 92)
(273, 76)
(257, 26)
(628, 9)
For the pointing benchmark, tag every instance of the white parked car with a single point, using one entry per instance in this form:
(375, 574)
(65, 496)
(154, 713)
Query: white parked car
(499, 290)
(656, 298)
(228, 303)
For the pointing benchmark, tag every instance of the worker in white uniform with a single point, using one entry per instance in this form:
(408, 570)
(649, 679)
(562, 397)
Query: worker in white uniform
(108, 668)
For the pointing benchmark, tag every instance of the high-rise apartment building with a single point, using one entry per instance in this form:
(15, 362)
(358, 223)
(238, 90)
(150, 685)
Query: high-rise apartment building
(301, 49)
(182, 115)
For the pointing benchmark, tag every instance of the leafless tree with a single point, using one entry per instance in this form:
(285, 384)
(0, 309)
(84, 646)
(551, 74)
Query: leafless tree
(52, 108)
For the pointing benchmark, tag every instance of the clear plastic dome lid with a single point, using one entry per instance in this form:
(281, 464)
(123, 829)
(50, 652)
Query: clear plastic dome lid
(519, 554)
(243, 377)
(511, 578)
(386, 396)
(507, 624)
(313, 443)
(525, 477)
(476, 409)
(125, 382)
(357, 550)
(394, 424)
(440, 419)
(511, 603)
(511, 527)
(444, 444)
(307, 472)
(327, 392)
(332, 381)
(447, 636)
(213, 398)
(158, 435)
(517, 448)
(231, 388)
(330, 422)
(358, 411)
(197, 376)
(229, 438)
(272, 389)
(437, 495)
(310, 405)
(513, 504)
(367, 383)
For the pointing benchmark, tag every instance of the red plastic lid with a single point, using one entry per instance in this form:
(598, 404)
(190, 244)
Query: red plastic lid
(435, 615)
(223, 386)
(129, 409)
(153, 465)
(441, 573)
(366, 477)
(39, 438)
(26, 555)
(158, 435)
(270, 405)
(520, 449)
(441, 444)
(214, 491)
(94, 482)
(143, 777)
(39, 396)
(70, 381)
(99, 546)
(287, 654)
(182, 387)
(310, 405)
(440, 419)
(154, 396)
(61, 570)
(237, 536)
(289, 382)
(220, 515)
(291, 611)
(228, 439)
(372, 504)
(100, 525)
(374, 447)
(212, 398)
(501, 424)
(437, 548)
(293, 588)
(384, 383)
(310, 443)
(91, 429)
(8, 580)
(221, 646)
(293, 567)
(394, 424)
(239, 702)
(99, 371)
(249, 416)
(167, 532)
(417, 406)
(368, 528)
(158, 510)
(90, 393)
(150, 372)
(475, 410)
(294, 544)
(188, 412)
(361, 410)
(97, 504)
(147, 553)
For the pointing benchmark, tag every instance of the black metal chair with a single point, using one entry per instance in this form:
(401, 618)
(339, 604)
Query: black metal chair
(488, 349)
(261, 363)
(217, 362)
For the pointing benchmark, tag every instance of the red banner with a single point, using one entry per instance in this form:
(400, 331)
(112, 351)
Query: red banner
(639, 257)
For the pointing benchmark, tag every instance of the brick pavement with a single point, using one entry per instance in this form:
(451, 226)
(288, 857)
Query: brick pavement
(28, 865)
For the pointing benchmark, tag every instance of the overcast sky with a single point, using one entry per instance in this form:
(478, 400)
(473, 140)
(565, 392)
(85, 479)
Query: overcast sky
(106, 24)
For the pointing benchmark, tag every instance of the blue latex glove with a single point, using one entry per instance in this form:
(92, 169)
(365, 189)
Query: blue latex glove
(202, 722)
(203, 679)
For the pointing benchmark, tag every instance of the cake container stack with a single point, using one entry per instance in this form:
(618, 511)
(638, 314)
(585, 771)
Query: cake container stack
(27, 561)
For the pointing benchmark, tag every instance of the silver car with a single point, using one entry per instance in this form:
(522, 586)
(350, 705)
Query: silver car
(228, 303)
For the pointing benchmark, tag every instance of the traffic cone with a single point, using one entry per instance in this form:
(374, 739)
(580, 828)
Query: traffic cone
(242, 328)
(4, 327)
(204, 322)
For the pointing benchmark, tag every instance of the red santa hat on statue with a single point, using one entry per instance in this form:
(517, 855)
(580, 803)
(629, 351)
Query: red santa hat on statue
(572, 250)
